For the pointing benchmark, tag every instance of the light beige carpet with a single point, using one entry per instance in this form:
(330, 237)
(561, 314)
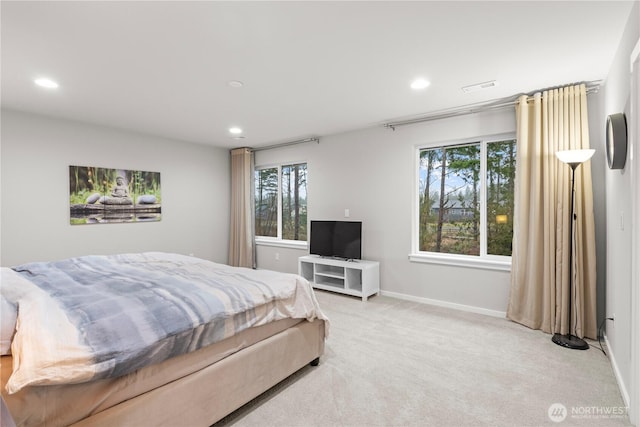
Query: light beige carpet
(390, 362)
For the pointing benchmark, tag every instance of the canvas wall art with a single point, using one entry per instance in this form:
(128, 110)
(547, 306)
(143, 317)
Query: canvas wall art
(103, 195)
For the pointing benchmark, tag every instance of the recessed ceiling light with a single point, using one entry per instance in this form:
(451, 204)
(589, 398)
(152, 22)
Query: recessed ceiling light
(48, 83)
(235, 83)
(235, 130)
(418, 84)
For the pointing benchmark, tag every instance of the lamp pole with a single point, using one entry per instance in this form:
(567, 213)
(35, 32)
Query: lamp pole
(573, 158)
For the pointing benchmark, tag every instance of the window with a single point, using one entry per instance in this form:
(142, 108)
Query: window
(281, 202)
(454, 180)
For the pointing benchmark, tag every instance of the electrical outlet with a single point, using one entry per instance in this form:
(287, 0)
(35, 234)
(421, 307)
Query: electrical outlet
(611, 325)
(277, 256)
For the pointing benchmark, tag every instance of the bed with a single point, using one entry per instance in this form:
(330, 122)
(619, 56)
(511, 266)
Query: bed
(149, 339)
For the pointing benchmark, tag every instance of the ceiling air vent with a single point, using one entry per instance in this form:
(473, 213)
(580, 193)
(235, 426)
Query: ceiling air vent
(480, 86)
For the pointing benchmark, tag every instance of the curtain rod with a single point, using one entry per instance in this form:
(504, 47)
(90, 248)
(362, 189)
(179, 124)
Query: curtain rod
(496, 104)
(285, 144)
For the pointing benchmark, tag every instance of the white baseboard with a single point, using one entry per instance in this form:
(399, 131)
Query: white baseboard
(616, 372)
(462, 307)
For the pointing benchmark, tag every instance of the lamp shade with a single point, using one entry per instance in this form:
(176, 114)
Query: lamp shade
(574, 157)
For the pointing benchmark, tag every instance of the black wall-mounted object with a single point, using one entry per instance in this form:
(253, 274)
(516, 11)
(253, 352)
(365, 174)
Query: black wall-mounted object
(616, 140)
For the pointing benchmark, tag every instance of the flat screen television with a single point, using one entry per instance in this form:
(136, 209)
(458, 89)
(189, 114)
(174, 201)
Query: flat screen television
(338, 239)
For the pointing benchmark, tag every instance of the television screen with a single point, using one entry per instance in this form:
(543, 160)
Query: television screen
(340, 239)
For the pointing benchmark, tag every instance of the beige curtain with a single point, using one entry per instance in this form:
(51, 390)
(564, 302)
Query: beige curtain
(552, 121)
(241, 236)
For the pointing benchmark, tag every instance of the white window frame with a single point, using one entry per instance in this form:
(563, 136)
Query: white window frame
(484, 260)
(278, 241)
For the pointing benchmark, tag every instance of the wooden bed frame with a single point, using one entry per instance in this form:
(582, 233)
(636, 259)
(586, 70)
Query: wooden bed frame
(209, 394)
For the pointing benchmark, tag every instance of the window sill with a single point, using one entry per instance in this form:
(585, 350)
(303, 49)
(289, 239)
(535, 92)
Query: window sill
(293, 244)
(462, 261)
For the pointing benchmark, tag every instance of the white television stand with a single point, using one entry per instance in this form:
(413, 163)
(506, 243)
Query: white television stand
(358, 278)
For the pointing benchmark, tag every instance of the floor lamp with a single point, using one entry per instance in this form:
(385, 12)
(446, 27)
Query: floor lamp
(573, 158)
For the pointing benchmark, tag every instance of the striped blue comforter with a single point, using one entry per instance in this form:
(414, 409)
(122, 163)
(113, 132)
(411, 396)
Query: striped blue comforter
(96, 317)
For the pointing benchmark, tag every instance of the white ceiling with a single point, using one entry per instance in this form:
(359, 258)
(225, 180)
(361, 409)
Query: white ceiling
(308, 68)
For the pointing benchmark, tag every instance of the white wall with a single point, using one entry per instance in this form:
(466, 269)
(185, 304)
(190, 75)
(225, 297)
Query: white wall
(36, 154)
(616, 99)
(371, 172)
(598, 165)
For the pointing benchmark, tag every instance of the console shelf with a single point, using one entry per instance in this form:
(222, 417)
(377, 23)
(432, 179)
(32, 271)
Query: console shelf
(359, 278)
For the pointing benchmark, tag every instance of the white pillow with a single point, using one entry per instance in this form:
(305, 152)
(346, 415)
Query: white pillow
(8, 315)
